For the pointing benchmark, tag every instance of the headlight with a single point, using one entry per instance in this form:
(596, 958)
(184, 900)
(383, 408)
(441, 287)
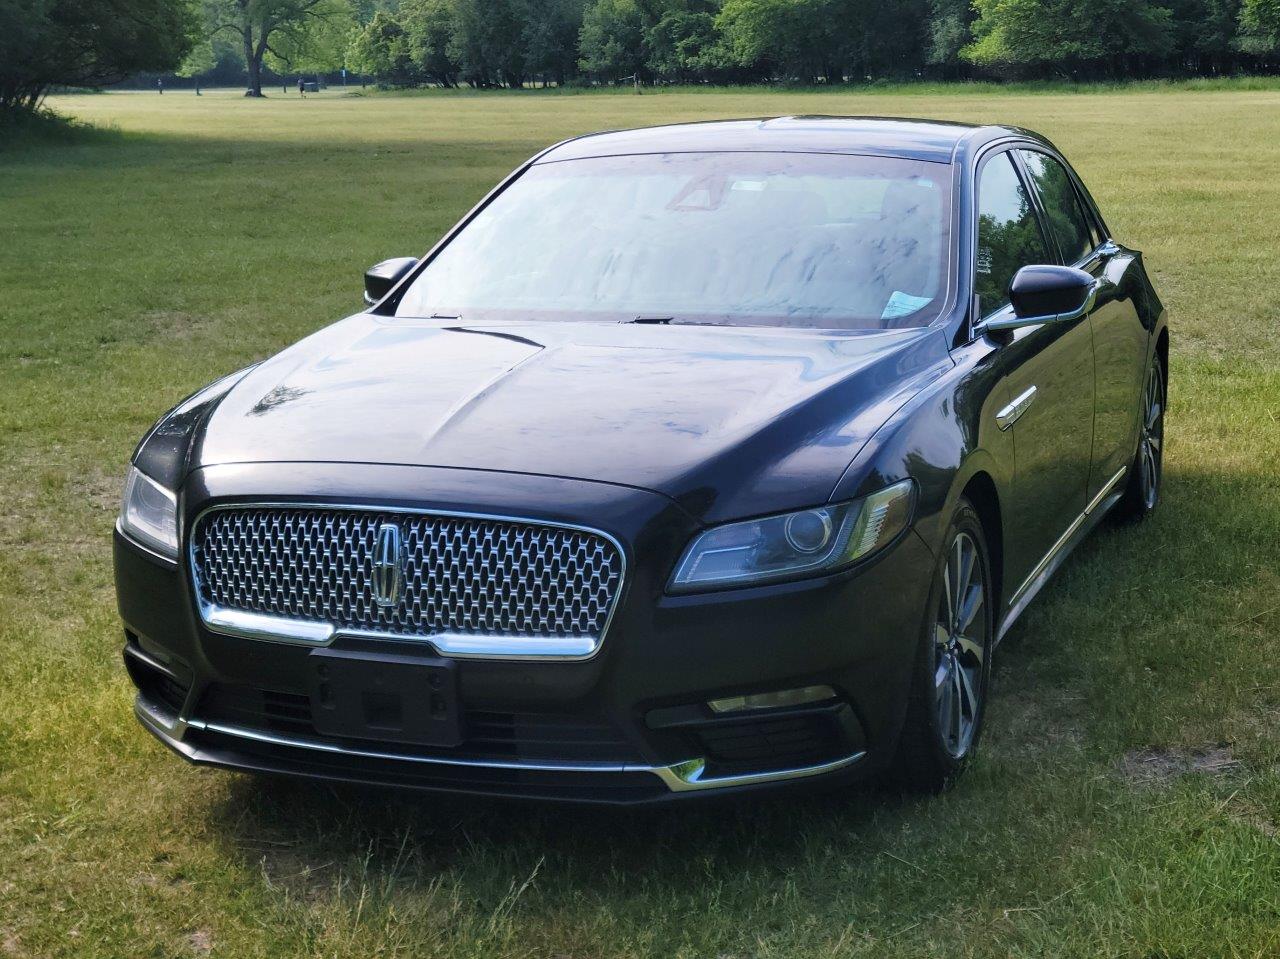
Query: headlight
(794, 544)
(150, 514)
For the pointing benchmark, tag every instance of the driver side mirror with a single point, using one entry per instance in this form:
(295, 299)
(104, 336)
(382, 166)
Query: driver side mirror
(1046, 294)
(380, 278)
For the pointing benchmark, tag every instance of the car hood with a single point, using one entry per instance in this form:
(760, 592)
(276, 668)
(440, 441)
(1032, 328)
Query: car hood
(726, 420)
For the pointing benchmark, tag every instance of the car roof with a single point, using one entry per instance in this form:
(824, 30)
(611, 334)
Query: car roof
(932, 140)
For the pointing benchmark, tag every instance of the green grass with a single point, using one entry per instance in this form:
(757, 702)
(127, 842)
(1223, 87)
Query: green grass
(182, 238)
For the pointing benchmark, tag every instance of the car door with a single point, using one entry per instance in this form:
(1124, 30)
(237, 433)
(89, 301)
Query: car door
(1049, 376)
(1119, 338)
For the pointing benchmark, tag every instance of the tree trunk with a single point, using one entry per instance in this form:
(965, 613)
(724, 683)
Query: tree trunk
(251, 63)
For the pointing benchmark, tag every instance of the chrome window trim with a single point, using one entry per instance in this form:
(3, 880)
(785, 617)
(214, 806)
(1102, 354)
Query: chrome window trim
(987, 152)
(1106, 246)
(687, 776)
(280, 629)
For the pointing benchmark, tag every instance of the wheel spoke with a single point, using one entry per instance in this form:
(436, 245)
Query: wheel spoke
(957, 707)
(970, 608)
(1153, 413)
(946, 692)
(946, 591)
(965, 558)
(971, 648)
(966, 685)
(961, 636)
(957, 579)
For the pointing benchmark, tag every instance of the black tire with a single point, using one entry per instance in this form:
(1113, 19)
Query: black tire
(937, 742)
(1142, 487)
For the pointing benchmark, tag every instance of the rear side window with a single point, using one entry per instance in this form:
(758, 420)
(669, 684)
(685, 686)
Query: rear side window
(1009, 235)
(1064, 214)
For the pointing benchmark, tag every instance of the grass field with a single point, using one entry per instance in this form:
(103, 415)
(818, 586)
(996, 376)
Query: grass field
(1127, 800)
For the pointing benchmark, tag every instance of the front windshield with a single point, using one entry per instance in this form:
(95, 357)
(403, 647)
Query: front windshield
(759, 239)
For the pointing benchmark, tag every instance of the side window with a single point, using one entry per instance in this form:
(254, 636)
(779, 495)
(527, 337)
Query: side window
(1009, 236)
(1064, 214)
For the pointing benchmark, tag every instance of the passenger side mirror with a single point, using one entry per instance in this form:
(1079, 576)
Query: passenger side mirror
(1046, 294)
(380, 278)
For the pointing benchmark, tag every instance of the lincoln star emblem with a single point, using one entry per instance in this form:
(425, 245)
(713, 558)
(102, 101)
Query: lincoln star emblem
(388, 566)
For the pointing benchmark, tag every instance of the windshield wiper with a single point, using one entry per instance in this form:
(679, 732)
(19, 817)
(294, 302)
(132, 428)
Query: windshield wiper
(652, 320)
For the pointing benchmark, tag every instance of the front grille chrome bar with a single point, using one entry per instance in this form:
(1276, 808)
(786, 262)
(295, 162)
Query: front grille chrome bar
(474, 586)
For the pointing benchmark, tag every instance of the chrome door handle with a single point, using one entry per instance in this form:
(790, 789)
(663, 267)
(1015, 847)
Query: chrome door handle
(1009, 415)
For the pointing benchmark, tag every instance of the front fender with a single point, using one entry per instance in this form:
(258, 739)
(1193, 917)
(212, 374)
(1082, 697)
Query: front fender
(943, 438)
(164, 453)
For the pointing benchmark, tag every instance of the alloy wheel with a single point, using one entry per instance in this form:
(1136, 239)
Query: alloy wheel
(960, 645)
(1152, 440)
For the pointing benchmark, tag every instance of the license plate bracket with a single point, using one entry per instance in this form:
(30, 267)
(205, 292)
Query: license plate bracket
(384, 696)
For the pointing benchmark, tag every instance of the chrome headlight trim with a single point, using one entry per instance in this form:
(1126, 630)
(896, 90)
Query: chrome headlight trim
(149, 515)
(764, 550)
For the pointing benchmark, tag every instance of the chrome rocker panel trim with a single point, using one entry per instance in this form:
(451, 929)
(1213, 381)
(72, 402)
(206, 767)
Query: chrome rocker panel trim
(279, 629)
(1080, 527)
(688, 776)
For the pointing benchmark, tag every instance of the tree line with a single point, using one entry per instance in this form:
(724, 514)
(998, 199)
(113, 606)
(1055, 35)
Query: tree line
(85, 43)
(488, 43)
(512, 43)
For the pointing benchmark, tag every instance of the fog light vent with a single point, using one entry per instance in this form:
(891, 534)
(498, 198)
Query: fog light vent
(775, 700)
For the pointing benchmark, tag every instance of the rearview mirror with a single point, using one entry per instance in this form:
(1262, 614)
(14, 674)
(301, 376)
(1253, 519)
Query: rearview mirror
(1047, 294)
(380, 278)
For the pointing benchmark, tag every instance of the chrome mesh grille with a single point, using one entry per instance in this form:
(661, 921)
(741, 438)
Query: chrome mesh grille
(461, 575)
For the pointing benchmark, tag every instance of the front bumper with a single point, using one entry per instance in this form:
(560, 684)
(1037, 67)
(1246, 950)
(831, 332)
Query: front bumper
(553, 730)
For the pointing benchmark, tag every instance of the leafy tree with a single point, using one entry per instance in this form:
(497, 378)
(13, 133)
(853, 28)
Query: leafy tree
(383, 48)
(1260, 20)
(1206, 35)
(202, 59)
(86, 43)
(949, 31)
(290, 30)
(431, 25)
(488, 43)
(316, 44)
(1120, 36)
(612, 40)
(886, 39)
(685, 45)
(794, 39)
(550, 39)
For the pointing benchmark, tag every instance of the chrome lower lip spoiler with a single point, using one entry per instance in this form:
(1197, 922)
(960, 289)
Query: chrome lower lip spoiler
(690, 776)
(687, 776)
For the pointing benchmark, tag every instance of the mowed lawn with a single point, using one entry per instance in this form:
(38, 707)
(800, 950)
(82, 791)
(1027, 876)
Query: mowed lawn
(1127, 798)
